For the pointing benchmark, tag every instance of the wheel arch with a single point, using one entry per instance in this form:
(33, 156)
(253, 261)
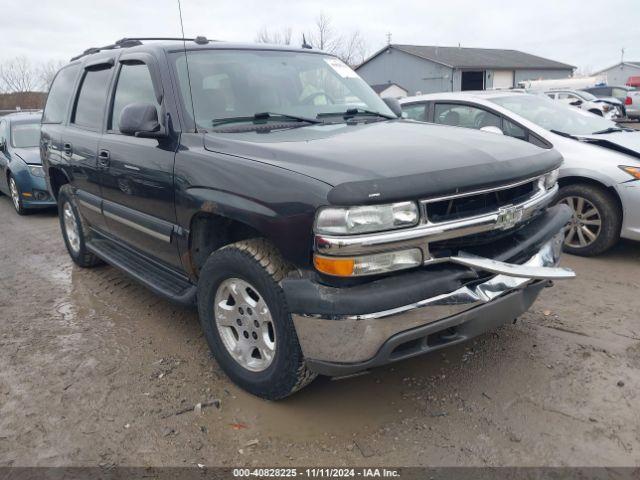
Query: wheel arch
(56, 179)
(608, 187)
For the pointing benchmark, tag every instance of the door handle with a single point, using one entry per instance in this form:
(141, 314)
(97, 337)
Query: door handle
(104, 158)
(67, 148)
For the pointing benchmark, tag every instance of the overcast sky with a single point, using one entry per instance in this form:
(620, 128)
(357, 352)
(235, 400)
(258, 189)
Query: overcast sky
(585, 33)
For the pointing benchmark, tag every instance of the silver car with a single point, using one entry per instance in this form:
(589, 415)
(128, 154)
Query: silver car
(600, 177)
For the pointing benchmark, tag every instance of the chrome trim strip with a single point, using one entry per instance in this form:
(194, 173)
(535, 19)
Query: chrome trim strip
(421, 235)
(89, 206)
(482, 191)
(136, 226)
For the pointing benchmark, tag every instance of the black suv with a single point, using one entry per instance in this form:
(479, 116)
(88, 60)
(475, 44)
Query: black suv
(316, 231)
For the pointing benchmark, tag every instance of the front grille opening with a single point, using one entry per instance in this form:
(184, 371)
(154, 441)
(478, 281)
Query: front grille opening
(472, 205)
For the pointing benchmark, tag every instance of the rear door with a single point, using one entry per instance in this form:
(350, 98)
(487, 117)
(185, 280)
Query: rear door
(81, 138)
(4, 158)
(137, 183)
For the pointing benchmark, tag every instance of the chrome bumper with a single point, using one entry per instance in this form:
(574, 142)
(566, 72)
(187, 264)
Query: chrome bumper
(357, 338)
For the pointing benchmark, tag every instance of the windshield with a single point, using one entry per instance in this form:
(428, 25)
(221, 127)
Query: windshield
(554, 115)
(586, 96)
(25, 135)
(240, 83)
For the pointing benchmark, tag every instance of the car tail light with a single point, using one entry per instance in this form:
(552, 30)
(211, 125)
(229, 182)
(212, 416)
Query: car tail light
(628, 101)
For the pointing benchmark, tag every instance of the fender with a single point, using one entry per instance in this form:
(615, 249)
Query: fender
(589, 174)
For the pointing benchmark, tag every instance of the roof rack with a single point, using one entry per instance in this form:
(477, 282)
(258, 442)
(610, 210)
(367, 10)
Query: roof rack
(135, 41)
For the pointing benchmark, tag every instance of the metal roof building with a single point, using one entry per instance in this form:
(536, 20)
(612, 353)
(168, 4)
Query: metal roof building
(428, 69)
(619, 74)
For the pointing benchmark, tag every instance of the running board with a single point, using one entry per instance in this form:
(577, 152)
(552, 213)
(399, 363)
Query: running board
(155, 277)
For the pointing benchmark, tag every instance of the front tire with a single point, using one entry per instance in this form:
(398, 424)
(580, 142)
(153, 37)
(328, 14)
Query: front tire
(16, 196)
(74, 231)
(246, 320)
(595, 225)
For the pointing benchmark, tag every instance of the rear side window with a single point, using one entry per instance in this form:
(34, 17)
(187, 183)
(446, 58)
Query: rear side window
(134, 86)
(415, 111)
(60, 95)
(92, 99)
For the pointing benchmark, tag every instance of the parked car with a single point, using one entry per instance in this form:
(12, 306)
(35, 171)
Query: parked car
(586, 101)
(317, 232)
(621, 93)
(21, 174)
(632, 104)
(600, 177)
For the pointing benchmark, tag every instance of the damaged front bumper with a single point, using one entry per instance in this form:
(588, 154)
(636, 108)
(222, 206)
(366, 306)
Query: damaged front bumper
(343, 343)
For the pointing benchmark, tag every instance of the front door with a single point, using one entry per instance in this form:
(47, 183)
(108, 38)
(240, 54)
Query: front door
(137, 182)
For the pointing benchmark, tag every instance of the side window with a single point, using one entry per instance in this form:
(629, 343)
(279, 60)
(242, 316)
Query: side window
(92, 98)
(3, 132)
(552, 96)
(511, 129)
(60, 95)
(415, 111)
(465, 116)
(134, 85)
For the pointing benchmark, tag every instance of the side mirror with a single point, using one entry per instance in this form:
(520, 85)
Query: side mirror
(394, 106)
(576, 103)
(140, 120)
(492, 129)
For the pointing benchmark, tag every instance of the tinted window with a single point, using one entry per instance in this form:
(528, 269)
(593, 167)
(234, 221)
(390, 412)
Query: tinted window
(513, 130)
(134, 85)
(465, 116)
(92, 99)
(415, 111)
(60, 94)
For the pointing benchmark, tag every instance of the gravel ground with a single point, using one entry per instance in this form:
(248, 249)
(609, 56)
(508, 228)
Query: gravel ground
(96, 370)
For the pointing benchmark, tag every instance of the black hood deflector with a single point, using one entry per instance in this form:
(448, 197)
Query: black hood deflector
(444, 182)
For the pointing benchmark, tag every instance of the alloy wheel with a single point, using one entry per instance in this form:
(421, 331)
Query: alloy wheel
(71, 227)
(15, 193)
(586, 222)
(245, 324)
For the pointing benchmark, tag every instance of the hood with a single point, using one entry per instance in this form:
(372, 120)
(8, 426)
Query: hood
(623, 142)
(391, 160)
(28, 155)
(611, 100)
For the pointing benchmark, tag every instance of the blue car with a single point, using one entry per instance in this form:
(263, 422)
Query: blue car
(21, 174)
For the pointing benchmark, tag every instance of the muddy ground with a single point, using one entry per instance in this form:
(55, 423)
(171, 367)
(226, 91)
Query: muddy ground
(94, 369)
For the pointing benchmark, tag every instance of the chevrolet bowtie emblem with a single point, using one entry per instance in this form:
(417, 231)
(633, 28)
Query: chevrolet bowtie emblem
(508, 217)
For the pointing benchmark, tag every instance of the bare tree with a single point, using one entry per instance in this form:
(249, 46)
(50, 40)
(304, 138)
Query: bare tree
(353, 50)
(46, 71)
(18, 75)
(282, 37)
(323, 37)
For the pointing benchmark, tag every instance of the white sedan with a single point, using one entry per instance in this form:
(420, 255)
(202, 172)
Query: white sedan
(600, 177)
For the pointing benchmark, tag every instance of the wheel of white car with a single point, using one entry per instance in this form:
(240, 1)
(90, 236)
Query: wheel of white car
(596, 221)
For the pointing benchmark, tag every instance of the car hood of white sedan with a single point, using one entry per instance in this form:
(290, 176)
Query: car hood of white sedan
(623, 142)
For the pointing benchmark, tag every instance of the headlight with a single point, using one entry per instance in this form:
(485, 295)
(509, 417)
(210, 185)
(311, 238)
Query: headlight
(368, 264)
(633, 171)
(368, 218)
(550, 179)
(36, 171)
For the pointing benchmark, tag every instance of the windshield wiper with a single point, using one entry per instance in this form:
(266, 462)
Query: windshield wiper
(352, 112)
(261, 116)
(563, 134)
(612, 130)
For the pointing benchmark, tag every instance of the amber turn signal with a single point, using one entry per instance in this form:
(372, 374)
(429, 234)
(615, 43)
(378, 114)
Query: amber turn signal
(339, 267)
(633, 171)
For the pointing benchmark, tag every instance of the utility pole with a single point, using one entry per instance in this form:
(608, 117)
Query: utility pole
(621, 56)
(388, 38)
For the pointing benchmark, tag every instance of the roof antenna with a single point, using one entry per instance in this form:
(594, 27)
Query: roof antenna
(304, 43)
(186, 59)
